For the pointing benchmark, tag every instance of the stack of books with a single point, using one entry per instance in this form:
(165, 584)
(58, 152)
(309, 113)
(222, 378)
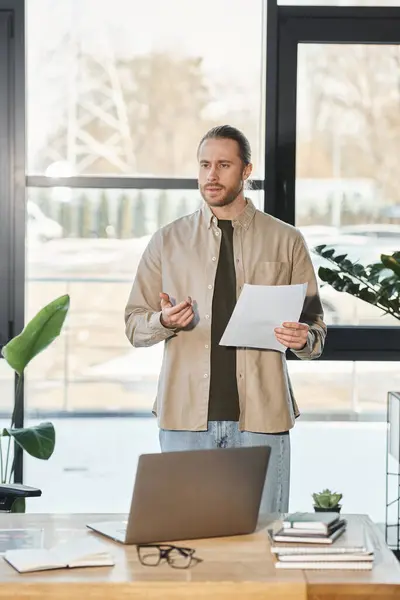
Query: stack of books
(320, 541)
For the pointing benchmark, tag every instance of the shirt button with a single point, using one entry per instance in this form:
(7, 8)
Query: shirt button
(214, 258)
(205, 375)
(241, 375)
(210, 287)
(217, 233)
(207, 316)
(206, 346)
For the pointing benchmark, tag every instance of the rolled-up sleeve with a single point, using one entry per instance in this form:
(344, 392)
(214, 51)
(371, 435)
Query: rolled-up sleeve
(143, 325)
(312, 314)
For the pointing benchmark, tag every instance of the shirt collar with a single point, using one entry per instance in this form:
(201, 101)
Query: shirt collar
(243, 220)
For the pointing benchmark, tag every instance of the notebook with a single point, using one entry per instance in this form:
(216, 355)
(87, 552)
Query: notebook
(345, 566)
(300, 536)
(354, 540)
(320, 522)
(79, 552)
(326, 557)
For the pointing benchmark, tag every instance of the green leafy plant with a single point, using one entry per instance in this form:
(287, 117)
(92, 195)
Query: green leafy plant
(377, 283)
(39, 333)
(327, 499)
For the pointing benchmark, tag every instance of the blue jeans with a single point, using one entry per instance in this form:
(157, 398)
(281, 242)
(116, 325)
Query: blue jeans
(226, 434)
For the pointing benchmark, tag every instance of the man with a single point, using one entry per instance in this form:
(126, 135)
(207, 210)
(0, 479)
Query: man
(185, 289)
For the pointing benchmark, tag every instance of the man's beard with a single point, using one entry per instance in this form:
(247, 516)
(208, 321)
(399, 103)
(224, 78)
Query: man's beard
(226, 199)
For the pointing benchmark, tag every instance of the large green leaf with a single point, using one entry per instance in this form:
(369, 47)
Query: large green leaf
(38, 441)
(38, 334)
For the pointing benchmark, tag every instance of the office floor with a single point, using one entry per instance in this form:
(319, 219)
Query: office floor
(94, 464)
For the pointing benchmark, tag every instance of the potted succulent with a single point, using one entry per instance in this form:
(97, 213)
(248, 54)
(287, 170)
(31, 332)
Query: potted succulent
(38, 440)
(327, 501)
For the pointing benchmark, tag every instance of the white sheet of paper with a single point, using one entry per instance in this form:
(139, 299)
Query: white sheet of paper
(259, 309)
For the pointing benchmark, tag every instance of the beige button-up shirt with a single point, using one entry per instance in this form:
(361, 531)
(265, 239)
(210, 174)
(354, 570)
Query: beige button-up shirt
(181, 260)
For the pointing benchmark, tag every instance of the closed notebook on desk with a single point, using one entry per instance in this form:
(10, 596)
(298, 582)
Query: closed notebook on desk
(308, 536)
(81, 552)
(320, 522)
(327, 565)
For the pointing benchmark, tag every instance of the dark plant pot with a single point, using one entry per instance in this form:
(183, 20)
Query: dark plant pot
(333, 509)
(19, 505)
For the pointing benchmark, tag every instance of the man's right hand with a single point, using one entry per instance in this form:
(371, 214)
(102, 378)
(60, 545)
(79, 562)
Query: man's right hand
(176, 317)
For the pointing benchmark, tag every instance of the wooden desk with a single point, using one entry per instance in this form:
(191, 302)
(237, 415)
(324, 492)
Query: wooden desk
(233, 568)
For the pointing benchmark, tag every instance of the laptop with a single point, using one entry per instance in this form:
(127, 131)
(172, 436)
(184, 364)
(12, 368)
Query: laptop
(193, 494)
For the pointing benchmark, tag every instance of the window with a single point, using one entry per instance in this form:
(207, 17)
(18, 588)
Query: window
(323, 150)
(129, 89)
(118, 98)
(347, 193)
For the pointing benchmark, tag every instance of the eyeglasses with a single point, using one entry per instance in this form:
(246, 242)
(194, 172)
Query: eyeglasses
(150, 555)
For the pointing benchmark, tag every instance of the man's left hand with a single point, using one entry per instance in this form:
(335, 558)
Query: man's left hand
(292, 335)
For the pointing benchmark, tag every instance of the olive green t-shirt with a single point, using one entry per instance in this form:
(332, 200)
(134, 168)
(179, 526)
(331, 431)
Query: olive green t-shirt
(224, 396)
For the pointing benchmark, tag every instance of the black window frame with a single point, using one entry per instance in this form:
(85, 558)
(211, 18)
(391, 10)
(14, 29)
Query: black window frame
(6, 180)
(12, 182)
(289, 26)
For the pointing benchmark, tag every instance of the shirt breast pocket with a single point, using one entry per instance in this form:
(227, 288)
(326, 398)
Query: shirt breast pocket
(271, 273)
